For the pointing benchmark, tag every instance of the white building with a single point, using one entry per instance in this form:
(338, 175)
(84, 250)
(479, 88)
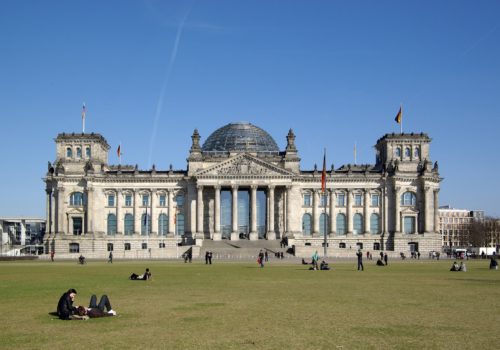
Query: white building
(239, 185)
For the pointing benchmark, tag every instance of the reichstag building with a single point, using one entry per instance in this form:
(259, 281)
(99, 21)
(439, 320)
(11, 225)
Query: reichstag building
(238, 186)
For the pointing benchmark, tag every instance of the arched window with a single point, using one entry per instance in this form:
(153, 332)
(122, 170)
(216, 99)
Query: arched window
(341, 226)
(397, 152)
(306, 224)
(163, 224)
(357, 224)
(87, 152)
(111, 224)
(129, 224)
(416, 153)
(69, 152)
(374, 223)
(179, 200)
(179, 224)
(78, 152)
(408, 198)
(407, 152)
(76, 199)
(323, 224)
(145, 224)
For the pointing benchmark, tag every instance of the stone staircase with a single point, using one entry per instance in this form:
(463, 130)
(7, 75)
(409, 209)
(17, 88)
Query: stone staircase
(242, 249)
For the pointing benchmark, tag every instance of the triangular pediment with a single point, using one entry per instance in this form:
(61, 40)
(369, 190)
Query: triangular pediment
(409, 210)
(244, 165)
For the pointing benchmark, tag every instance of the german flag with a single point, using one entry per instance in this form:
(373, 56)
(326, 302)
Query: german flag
(399, 116)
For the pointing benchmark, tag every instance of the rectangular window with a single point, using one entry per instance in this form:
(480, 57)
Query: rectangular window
(341, 200)
(163, 200)
(74, 248)
(127, 246)
(128, 200)
(358, 200)
(145, 200)
(110, 247)
(323, 200)
(307, 200)
(111, 200)
(144, 246)
(375, 200)
(162, 245)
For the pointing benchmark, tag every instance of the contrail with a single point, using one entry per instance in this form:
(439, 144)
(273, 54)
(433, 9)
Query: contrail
(171, 62)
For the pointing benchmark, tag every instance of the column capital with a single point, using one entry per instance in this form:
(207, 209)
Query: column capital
(234, 187)
(199, 187)
(271, 187)
(254, 187)
(217, 187)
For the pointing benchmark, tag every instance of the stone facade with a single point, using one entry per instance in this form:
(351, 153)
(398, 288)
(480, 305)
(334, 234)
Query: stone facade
(94, 207)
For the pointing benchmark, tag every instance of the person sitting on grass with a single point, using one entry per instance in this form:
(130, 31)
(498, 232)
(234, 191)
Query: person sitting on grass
(324, 265)
(146, 276)
(462, 267)
(493, 263)
(454, 267)
(304, 262)
(380, 263)
(97, 310)
(81, 259)
(65, 308)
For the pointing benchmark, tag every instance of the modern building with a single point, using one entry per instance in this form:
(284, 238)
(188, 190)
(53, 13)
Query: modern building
(455, 225)
(238, 185)
(21, 231)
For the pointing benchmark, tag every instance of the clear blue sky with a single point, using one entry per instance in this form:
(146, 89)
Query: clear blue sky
(334, 71)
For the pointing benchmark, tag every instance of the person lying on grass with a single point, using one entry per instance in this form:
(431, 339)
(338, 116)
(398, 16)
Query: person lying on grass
(144, 277)
(103, 309)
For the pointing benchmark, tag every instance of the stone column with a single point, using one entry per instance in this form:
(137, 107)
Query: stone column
(171, 214)
(55, 211)
(288, 209)
(137, 216)
(153, 229)
(333, 222)
(436, 211)
(234, 234)
(61, 208)
(349, 212)
(397, 215)
(48, 211)
(217, 234)
(254, 236)
(366, 225)
(199, 212)
(271, 233)
(316, 213)
(119, 220)
(89, 223)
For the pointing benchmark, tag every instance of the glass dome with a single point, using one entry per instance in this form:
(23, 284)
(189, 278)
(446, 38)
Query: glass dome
(240, 137)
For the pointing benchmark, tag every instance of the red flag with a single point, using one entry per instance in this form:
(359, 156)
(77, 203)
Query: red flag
(323, 174)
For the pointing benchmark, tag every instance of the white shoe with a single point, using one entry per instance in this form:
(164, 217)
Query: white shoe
(112, 312)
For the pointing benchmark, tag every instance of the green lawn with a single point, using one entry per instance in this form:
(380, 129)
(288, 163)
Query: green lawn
(410, 304)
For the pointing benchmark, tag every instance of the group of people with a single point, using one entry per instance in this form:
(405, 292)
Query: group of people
(66, 310)
(208, 257)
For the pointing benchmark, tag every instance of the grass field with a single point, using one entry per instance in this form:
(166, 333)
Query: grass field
(237, 305)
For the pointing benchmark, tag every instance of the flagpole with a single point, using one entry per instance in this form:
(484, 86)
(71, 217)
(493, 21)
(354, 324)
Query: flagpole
(355, 153)
(401, 124)
(324, 207)
(83, 118)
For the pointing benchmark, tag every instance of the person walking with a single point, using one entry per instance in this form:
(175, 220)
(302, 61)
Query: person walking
(110, 257)
(52, 256)
(385, 259)
(210, 257)
(206, 257)
(360, 260)
(315, 259)
(261, 258)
